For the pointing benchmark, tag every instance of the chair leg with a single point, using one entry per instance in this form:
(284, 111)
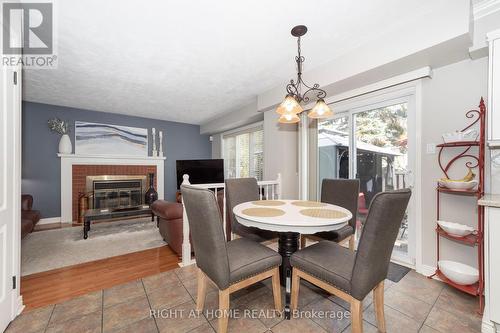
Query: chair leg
(302, 241)
(295, 290)
(202, 290)
(224, 309)
(356, 316)
(351, 243)
(277, 290)
(378, 303)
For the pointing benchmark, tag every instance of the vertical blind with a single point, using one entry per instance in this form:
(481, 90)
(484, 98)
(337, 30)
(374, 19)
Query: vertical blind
(244, 154)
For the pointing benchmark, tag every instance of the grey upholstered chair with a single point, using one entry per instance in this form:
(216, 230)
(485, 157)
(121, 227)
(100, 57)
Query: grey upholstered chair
(230, 266)
(239, 190)
(344, 193)
(352, 275)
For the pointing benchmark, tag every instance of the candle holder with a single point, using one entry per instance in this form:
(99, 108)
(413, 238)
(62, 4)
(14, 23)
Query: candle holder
(154, 152)
(160, 150)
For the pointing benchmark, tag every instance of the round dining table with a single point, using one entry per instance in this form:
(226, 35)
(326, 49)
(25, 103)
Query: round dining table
(290, 218)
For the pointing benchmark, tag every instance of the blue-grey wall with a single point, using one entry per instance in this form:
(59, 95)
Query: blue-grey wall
(41, 168)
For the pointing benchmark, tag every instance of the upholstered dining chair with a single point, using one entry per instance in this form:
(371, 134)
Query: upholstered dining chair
(239, 190)
(344, 193)
(232, 265)
(352, 275)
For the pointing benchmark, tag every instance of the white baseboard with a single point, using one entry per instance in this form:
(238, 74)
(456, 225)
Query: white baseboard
(426, 270)
(50, 220)
(192, 262)
(489, 327)
(19, 305)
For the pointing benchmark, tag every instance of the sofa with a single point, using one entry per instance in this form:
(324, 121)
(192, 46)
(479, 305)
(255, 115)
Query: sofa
(169, 217)
(29, 217)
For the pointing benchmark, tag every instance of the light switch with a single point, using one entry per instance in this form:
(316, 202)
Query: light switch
(431, 148)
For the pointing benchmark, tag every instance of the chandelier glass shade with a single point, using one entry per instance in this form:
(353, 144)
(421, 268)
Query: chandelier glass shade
(298, 91)
(289, 118)
(289, 105)
(320, 111)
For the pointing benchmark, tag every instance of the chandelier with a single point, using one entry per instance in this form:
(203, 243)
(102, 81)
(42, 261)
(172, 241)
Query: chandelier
(298, 91)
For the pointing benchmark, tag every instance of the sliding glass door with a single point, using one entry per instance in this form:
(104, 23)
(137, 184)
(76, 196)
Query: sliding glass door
(373, 143)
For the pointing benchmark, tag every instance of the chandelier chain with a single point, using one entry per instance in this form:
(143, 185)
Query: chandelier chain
(294, 88)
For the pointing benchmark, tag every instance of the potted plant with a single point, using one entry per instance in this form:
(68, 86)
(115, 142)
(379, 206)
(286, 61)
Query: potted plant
(61, 127)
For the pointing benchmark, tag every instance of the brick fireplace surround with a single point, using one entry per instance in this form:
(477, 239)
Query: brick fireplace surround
(74, 169)
(80, 172)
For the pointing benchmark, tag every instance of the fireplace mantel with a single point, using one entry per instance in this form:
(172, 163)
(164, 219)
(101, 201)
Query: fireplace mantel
(68, 160)
(108, 157)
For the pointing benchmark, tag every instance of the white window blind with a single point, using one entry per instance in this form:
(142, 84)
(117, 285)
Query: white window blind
(244, 153)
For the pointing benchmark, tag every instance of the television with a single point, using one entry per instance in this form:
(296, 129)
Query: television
(200, 171)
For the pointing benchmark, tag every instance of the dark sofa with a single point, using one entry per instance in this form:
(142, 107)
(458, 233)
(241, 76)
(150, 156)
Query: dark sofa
(29, 217)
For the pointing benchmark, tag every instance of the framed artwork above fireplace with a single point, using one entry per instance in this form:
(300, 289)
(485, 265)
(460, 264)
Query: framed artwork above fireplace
(106, 139)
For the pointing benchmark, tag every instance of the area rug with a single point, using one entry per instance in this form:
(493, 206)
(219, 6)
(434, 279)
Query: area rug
(397, 272)
(45, 250)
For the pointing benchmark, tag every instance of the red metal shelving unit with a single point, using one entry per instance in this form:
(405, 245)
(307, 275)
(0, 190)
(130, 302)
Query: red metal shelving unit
(476, 161)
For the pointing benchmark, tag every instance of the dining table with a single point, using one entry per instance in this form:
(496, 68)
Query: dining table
(290, 218)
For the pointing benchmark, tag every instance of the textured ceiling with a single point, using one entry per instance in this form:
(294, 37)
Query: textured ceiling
(191, 61)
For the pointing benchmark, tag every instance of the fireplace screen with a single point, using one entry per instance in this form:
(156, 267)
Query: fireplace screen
(116, 191)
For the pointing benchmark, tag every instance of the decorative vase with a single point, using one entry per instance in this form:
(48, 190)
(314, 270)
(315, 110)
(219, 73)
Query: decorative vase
(151, 194)
(65, 146)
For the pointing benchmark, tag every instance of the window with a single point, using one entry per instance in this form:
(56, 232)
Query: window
(244, 153)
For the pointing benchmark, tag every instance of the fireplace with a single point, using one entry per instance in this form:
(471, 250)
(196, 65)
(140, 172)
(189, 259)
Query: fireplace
(114, 191)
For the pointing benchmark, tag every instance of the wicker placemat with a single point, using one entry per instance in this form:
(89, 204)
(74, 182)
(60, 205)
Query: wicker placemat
(268, 203)
(263, 212)
(323, 213)
(305, 203)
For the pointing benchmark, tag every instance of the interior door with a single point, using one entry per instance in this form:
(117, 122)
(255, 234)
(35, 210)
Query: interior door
(10, 188)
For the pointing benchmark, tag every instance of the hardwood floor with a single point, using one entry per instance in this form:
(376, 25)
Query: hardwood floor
(57, 285)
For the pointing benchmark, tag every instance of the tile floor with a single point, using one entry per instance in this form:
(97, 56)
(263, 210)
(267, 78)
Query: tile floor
(415, 304)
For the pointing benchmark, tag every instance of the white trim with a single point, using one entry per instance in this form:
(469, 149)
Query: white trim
(426, 270)
(402, 263)
(485, 8)
(493, 144)
(417, 190)
(49, 220)
(68, 160)
(110, 157)
(304, 157)
(192, 262)
(396, 82)
(243, 129)
(488, 327)
(18, 303)
(492, 35)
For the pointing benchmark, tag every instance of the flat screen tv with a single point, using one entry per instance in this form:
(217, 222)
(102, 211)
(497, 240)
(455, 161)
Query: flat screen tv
(201, 171)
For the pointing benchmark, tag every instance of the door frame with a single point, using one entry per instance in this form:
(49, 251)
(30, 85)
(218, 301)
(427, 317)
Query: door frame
(12, 110)
(412, 93)
(11, 107)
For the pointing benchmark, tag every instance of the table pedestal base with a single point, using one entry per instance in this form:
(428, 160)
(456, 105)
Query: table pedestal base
(288, 243)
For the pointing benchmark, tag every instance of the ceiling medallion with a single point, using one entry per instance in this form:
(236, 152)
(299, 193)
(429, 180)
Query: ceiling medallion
(298, 91)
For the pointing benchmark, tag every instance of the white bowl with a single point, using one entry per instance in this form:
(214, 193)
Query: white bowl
(456, 229)
(452, 137)
(458, 272)
(458, 185)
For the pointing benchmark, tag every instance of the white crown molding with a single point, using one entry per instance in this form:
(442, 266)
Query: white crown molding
(485, 8)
